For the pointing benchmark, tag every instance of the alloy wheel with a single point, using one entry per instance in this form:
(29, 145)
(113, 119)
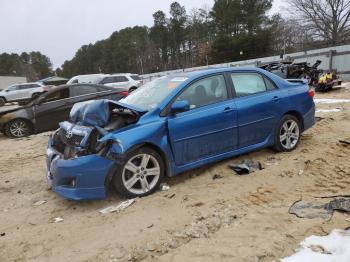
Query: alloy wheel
(19, 128)
(141, 174)
(289, 134)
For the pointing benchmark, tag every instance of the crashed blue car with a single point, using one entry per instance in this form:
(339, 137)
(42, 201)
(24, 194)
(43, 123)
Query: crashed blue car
(173, 124)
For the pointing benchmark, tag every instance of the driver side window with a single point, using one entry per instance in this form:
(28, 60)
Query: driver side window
(205, 92)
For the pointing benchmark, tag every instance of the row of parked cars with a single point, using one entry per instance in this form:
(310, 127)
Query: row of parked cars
(22, 93)
(43, 107)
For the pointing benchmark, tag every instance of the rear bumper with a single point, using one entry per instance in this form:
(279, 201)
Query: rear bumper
(309, 118)
(81, 178)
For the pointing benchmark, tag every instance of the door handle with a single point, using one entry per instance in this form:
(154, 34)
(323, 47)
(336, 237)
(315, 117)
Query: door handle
(228, 109)
(275, 99)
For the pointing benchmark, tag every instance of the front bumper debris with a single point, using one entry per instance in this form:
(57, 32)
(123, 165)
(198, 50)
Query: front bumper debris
(81, 178)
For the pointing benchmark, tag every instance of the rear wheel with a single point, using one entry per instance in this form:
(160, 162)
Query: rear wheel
(140, 174)
(35, 95)
(132, 89)
(288, 134)
(18, 128)
(2, 101)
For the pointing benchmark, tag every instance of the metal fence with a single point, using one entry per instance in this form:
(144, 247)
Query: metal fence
(333, 58)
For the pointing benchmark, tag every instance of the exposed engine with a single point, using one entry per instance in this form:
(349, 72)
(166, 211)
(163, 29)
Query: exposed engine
(90, 121)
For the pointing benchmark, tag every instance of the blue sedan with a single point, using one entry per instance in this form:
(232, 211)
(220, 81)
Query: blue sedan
(173, 124)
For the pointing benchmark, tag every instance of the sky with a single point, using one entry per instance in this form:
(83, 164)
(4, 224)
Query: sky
(57, 28)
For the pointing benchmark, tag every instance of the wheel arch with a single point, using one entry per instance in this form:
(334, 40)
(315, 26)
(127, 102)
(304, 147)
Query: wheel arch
(32, 126)
(156, 148)
(296, 114)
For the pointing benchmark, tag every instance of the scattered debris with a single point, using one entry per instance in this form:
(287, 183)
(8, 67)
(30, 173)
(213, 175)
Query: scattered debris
(171, 196)
(58, 219)
(164, 187)
(340, 204)
(39, 203)
(301, 172)
(3, 234)
(217, 176)
(150, 226)
(19, 192)
(118, 208)
(310, 210)
(7, 181)
(345, 141)
(246, 167)
(185, 198)
(333, 247)
(197, 204)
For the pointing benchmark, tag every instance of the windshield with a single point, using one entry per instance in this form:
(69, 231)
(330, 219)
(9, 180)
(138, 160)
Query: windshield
(150, 95)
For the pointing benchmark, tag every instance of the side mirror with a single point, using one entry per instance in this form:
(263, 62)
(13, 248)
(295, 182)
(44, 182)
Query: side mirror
(180, 106)
(7, 90)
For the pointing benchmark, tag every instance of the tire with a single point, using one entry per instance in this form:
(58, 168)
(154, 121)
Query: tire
(131, 178)
(288, 133)
(132, 89)
(35, 95)
(18, 128)
(2, 101)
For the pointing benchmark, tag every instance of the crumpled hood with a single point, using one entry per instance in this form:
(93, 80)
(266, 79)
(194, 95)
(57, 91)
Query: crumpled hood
(96, 112)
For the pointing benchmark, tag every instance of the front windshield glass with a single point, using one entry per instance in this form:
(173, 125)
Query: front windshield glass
(150, 95)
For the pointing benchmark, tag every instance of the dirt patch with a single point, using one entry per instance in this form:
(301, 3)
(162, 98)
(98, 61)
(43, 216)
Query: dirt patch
(234, 218)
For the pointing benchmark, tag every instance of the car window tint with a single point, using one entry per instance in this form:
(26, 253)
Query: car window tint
(118, 79)
(107, 80)
(58, 95)
(135, 77)
(205, 92)
(248, 83)
(83, 90)
(22, 87)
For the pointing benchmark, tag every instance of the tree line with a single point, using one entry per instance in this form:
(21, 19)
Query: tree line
(230, 30)
(33, 65)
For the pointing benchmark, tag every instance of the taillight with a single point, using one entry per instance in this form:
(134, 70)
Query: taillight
(124, 93)
(311, 92)
(45, 88)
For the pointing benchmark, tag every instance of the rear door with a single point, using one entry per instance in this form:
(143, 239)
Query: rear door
(258, 107)
(209, 127)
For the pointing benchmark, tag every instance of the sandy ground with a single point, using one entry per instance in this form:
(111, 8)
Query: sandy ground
(235, 218)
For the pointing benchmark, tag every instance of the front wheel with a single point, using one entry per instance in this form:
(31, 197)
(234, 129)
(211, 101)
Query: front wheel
(18, 128)
(140, 174)
(288, 134)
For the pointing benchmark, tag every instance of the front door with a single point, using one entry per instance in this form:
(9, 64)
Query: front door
(209, 127)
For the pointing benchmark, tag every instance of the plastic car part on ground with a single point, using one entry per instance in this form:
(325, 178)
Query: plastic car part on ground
(118, 208)
(331, 248)
(304, 209)
(246, 167)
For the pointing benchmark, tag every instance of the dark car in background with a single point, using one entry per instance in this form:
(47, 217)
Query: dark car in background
(46, 111)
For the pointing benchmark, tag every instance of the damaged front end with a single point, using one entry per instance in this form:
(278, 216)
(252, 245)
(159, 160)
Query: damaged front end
(78, 166)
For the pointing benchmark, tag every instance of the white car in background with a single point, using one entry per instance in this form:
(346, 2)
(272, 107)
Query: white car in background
(86, 79)
(129, 82)
(21, 92)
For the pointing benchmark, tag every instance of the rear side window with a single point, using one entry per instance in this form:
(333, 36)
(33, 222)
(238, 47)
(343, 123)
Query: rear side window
(249, 83)
(83, 90)
(118, 79)
(58, 95)
(135, 77)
